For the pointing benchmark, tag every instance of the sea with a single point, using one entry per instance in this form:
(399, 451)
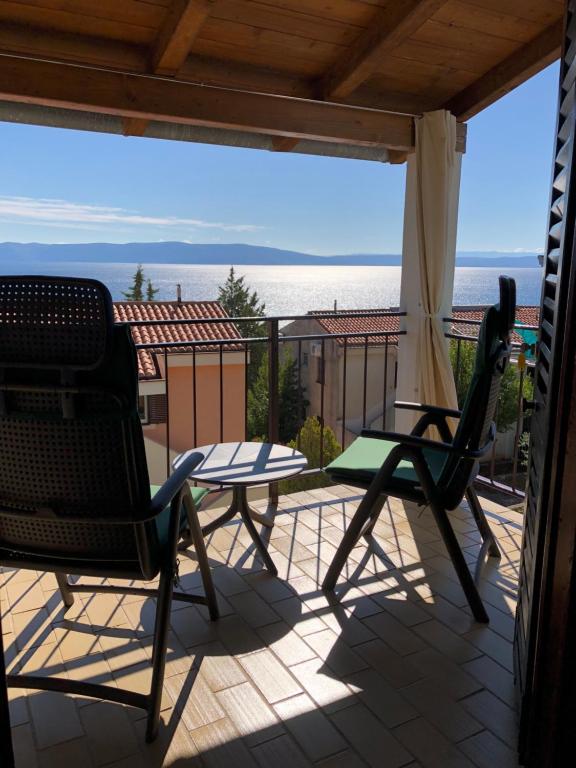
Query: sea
(292, 290)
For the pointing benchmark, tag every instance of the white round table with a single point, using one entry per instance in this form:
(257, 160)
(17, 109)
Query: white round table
(241, 465)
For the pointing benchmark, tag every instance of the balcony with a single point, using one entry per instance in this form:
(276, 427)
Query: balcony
(393, 671)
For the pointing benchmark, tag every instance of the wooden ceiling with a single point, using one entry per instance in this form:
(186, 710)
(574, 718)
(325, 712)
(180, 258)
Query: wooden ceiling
(355, 71)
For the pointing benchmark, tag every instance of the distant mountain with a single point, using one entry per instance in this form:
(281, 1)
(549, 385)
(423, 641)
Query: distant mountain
(236, 254)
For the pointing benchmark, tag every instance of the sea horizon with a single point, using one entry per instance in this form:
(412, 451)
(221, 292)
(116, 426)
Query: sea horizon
(290, 290)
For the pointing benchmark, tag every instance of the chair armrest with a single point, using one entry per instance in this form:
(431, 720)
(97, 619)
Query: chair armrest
(174, 483)
(415, 441)
(436, 409)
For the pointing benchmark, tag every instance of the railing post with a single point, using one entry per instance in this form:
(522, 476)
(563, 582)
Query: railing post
(273, 393)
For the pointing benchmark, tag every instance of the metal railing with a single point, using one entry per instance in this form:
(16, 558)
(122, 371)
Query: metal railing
(330, 391)
(504, 472)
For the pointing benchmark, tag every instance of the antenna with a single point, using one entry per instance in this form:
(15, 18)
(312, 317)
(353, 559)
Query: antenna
(178, 292)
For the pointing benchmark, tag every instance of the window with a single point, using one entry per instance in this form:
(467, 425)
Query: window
(143, 409)
(305, 360)
(319, 370)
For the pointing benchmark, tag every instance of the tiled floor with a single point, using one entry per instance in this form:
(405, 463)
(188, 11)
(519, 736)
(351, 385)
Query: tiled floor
(393, 672)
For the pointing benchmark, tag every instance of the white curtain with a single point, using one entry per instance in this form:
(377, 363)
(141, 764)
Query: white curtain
(437, 183)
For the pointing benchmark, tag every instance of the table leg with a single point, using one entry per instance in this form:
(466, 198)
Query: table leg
(240, 504)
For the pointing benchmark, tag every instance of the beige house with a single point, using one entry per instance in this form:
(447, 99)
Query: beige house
(343, 376)
(190, 394)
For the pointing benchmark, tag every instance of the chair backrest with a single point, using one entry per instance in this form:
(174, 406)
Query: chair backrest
(73, 476)
(492, 355)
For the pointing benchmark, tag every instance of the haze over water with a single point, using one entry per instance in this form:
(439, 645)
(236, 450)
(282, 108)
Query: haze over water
(290, 290)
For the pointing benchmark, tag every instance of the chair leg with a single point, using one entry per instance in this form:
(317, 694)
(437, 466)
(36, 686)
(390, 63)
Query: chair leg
(65, 591)
(6, 749)
(374, 515)
(357, 525)
(482, 523)
(197, 539)
(161, 628)
(460, 565)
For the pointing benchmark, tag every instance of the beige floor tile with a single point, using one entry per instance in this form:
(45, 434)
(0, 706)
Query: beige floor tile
(221, 747)
(448, 676)
(68, 753)
(342, 622)
(18, 706)
(311, 729)
(322, 685)
(489, 752)
(347, 759)
(253, 609)
(281, 752)
(447, 642)
(494, 677)
(23, 744)
(54, 718)
(494, 715)
(292, 549)
(195, 701)
(299, 616)
(389, 705)
(25, 596)
(341, 659)
(271, 677)
(492, 645)
(429, 746)
(447, 715)
(218, 669)
(109, 732)
(227, 581)
(121, 647)
(396, 669)
(191, 629)
(75, 642)
(254, 719)
(370, 738)
(32, 629)
(395, 634)
(270, 588)
(172, 747)
(286, 643)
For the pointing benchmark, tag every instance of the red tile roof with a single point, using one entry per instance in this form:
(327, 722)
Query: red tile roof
(374, 324)
(170, 330)
(378, 323)
(524, 315)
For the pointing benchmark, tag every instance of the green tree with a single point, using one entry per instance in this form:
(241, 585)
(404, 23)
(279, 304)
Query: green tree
(292, 403)
(463, 365)
(135, 293)
(308, 442)
(151, 291)
(239, 301)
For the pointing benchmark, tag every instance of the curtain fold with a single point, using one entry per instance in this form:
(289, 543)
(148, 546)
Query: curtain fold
(437, 180)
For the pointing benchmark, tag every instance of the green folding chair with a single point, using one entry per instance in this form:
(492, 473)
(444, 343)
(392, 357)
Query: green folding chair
(75, 497)
(434, 473)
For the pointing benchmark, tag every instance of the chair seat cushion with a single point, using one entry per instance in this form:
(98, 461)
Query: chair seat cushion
(163, 519)
(364, 457)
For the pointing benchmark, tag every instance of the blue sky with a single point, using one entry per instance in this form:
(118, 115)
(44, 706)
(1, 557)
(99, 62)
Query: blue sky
(70, 186)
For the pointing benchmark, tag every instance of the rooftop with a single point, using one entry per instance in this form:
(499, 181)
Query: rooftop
(526, 315)
(392, 672)
(170, 330)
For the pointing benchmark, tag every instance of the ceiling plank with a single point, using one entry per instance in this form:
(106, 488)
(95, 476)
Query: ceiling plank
(176, 36)
(170, 100)
(391, 26)
(508, 74)
(134, 126)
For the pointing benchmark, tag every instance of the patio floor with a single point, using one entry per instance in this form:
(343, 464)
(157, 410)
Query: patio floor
(394, 672)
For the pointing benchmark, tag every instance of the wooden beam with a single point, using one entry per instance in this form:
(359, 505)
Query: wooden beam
(134, 126)
(169, 100)
(283, 143)
(391, 26)
(507, 75)
(181, 27)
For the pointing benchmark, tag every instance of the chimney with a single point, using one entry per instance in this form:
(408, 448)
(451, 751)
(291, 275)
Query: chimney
(178, 292)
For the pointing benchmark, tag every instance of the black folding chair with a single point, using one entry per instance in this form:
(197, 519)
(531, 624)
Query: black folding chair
(434, 473)
(75, 497)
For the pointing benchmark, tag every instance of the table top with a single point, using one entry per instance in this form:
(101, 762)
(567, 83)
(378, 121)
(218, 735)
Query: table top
(244, 463)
